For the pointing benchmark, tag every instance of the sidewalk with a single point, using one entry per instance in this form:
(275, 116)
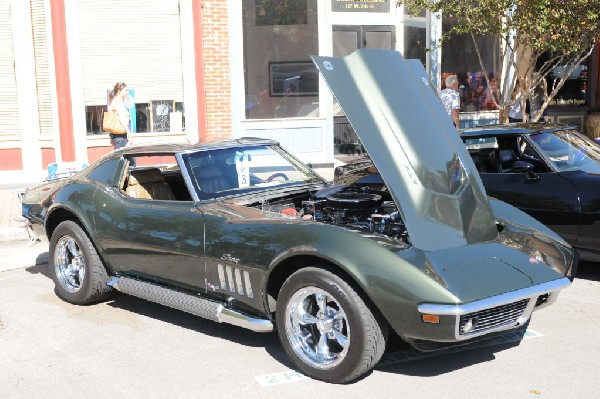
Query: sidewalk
(12, 224)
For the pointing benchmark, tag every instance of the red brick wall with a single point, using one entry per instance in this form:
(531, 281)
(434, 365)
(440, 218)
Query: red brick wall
(216, 68)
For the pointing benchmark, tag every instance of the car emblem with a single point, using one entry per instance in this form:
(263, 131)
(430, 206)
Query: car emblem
(229, 258)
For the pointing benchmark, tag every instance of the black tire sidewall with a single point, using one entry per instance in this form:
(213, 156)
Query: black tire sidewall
(73, 230)
(337, 287)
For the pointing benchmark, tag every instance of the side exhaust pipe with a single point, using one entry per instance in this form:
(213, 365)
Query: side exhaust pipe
(197, 306)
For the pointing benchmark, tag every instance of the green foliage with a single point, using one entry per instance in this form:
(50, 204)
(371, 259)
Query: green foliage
(542, 25)
(535, 35)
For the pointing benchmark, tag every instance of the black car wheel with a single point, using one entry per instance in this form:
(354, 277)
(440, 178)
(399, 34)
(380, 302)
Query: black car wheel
(76, 269)
(326, 328)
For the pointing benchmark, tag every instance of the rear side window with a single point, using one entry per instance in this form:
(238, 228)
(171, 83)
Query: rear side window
(107, 173)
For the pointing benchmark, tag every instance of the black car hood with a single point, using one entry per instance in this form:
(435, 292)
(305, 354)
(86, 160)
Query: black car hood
(412, 142)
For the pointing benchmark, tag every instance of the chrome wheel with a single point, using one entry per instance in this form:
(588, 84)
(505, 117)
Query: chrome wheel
(69, 264)
(317, 328)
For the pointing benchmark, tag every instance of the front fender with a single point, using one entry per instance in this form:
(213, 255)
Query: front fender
(392, 275)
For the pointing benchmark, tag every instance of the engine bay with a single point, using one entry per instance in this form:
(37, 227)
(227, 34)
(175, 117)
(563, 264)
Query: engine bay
(362, 208)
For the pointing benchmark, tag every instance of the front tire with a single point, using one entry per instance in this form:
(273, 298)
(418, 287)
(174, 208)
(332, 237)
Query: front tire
(76, 269)
(326, 328)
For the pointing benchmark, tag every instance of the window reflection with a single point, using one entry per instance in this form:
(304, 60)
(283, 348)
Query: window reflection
(279, 38)
(415, 36)
(569, 150)
(475, 93)
(459, 57)
(574, 90)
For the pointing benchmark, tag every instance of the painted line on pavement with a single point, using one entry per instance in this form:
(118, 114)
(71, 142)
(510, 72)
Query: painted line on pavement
(284, 377)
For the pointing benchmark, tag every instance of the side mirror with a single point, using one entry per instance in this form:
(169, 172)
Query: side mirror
(522, 166)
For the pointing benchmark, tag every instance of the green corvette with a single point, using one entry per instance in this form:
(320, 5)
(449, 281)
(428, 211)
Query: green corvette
(241, 232)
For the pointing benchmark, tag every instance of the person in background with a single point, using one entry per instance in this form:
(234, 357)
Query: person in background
(540, 94)
(515, 112)
(116, 103)
(451, 99)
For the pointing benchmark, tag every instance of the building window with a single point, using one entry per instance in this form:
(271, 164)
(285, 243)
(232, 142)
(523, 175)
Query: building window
(459, 57)
(415, 36)
(120, 42)
(279, 38)
(574, 92)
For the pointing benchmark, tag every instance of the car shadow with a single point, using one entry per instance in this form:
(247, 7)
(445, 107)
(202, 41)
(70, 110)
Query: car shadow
(228, 332)
(403, 359)
(178, 318)
(588, 271)
(41, 266)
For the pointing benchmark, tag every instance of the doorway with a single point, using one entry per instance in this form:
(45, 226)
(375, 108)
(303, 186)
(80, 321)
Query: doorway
(346, 40)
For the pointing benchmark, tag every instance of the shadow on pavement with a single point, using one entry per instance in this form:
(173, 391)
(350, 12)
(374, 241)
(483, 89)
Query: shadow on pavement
(40, 267)
(269, 341)
(198, 324)
(588, 271)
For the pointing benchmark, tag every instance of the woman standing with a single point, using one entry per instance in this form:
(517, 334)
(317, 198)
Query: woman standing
(116, 99)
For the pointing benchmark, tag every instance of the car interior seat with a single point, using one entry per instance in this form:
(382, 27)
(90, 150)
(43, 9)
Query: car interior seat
(148, 184)
(478, 161)
(211, 179)
(504, 160)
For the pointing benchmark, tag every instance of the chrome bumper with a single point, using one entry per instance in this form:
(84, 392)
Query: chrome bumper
(501, 312)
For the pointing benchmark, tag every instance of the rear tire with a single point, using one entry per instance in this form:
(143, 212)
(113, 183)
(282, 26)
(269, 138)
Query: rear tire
(76, 269)
(326, 328)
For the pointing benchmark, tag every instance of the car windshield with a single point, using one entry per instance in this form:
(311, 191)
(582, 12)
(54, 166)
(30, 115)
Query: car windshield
(569, 150)
(221, 172)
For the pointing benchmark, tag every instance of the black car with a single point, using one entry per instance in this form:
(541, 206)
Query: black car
(550, 171)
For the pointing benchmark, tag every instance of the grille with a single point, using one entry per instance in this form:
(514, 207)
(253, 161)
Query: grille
(493, 317)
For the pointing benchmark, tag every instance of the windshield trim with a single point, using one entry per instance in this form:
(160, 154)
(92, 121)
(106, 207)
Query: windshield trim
(309, 177)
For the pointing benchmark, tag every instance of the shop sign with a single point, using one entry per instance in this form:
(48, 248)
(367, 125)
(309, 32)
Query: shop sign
(360, 5)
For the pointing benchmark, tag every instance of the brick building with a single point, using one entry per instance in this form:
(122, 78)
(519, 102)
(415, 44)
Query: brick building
(201, 70)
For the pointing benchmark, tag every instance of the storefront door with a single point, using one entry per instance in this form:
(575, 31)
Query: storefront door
(346, 40)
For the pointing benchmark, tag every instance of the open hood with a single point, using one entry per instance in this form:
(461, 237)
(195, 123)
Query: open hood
(410, 138)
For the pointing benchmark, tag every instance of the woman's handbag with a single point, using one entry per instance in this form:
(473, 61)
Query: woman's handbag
(112, 124)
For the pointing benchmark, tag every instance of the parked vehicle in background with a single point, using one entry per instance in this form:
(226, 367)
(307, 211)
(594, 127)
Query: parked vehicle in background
(550, 171)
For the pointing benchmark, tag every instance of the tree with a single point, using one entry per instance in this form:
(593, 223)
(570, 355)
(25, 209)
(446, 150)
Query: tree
(536, 38)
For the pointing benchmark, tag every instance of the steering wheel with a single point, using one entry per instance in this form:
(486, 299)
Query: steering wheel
(276, 175)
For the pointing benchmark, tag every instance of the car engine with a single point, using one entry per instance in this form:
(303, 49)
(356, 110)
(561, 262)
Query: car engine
(358, 208)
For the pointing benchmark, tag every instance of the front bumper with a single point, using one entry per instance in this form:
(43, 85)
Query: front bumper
(494, 314)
